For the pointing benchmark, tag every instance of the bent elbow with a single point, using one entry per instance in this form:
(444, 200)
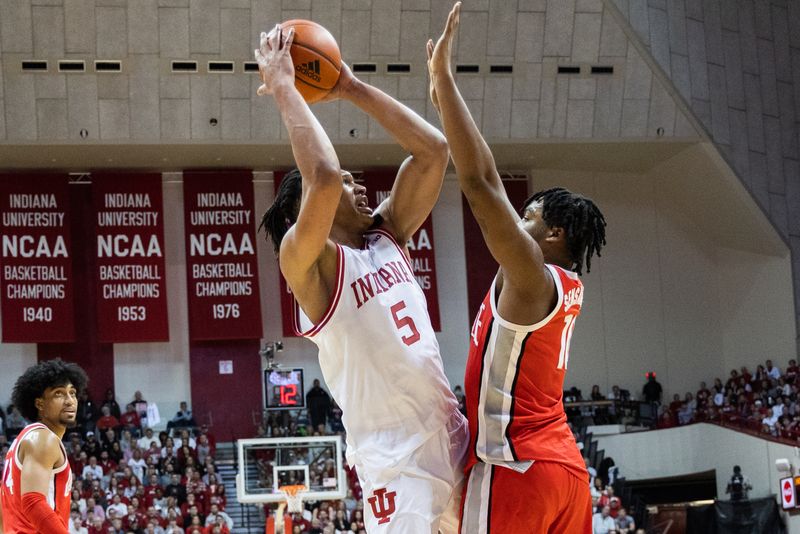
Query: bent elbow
(323, 174)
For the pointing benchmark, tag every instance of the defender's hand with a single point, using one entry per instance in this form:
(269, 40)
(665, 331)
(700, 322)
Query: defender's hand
(439, 55)
(274, 60)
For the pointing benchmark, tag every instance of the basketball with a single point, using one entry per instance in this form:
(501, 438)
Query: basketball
(316, 57)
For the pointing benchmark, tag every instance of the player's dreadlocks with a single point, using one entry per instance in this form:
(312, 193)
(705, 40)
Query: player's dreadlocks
(47, 374)
(580, 218)
(283, 212)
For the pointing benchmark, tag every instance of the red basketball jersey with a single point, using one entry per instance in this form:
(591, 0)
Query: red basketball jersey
(514, 382)
(58, 496)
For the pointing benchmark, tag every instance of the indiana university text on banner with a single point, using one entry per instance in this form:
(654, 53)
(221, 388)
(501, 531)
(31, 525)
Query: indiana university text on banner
(130, 266)
(221, 260)
(36, 259)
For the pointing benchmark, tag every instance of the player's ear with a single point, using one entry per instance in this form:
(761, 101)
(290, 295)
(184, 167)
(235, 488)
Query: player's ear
(39, 403)
(555, 233)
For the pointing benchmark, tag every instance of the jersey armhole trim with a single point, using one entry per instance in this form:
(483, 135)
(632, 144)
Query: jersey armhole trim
(37, 426)
(332, 305)
(529, 328)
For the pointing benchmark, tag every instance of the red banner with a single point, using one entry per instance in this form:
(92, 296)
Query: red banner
(481, 267)
(36, 263)
(221, 262)
(421, 248)
(130, 268)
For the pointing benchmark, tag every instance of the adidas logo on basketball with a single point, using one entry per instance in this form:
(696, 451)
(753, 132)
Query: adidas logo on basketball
(310, 69)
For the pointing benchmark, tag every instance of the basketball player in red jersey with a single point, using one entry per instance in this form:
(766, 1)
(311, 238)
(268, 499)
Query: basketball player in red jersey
(37, 480)
(525, 474)
(360, 303)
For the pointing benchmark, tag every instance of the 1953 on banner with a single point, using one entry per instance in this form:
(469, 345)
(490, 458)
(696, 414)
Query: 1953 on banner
(36, 259)
(130, 266)
(221, 261)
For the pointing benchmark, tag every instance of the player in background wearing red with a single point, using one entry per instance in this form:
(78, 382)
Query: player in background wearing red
(37, 481)
(360, 303)
(525, 474)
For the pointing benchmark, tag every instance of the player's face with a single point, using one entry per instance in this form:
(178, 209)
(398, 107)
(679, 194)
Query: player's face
(59, 405)
(354, 205)
(532, 221)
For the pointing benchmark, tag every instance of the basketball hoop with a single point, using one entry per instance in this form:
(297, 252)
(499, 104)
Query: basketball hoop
(294, 497)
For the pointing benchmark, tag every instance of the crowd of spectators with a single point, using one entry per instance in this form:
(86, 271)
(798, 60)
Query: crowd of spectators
(129, 479)
(765, 400)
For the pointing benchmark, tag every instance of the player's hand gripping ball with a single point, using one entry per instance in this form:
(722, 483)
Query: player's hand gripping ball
(316, 57)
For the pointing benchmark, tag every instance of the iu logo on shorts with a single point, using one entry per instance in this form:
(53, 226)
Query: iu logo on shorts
(382, 504)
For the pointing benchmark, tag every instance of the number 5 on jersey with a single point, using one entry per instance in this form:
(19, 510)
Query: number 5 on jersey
(402, 322)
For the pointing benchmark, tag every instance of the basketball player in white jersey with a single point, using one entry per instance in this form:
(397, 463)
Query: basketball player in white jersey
(37, 481)
(360, 303)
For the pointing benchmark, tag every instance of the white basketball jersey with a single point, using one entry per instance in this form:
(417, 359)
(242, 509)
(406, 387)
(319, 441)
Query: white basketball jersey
(379, 354)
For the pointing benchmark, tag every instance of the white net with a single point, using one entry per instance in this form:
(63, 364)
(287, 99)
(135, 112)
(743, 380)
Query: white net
(294, 497)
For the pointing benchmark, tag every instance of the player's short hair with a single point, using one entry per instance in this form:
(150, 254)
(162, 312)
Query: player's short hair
(37, 378)
(580, 218)
(283, 212)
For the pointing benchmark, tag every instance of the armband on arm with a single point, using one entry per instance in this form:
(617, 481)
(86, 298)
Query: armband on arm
(41, 515)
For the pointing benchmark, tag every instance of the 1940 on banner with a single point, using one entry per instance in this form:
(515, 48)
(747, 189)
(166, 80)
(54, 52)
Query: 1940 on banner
(221, 262)
(36, 259)
(130, 266)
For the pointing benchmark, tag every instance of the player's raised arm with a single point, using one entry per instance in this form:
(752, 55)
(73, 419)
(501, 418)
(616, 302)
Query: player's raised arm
(40, 451)
(419, 180)
(313, 152)
(514, 249)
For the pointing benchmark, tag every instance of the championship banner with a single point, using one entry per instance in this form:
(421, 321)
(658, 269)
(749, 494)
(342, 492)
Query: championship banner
(420, 247)
(130, 268)
(221, 262)
(36, 261)
(481, 267)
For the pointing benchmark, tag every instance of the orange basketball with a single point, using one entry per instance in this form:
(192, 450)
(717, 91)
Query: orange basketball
(316, 57)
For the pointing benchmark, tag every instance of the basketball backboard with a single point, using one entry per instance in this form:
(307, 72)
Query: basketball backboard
(266, 464)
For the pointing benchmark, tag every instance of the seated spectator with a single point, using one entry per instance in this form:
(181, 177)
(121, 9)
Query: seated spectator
(130, 420)
(195, 526)
(111, 402)
(183, 418)
(215, 513)
(117, 509)
(140, 405)
(149, 438)
(791, 372)
(137, 464)
(598, 488)
(106, 463)
(107, 421)
(625, 523)
(75, 524)
(185, 438)
(93, 470)
(612, 501)
(204, 449)
(773, 372)
(14, 422)
(768, 423)
(602, 522)
(686, 411)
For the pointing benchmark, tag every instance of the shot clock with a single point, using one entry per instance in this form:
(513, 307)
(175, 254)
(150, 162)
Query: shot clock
(284, 389)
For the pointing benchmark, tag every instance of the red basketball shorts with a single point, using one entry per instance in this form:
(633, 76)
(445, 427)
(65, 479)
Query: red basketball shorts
(546, 499)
